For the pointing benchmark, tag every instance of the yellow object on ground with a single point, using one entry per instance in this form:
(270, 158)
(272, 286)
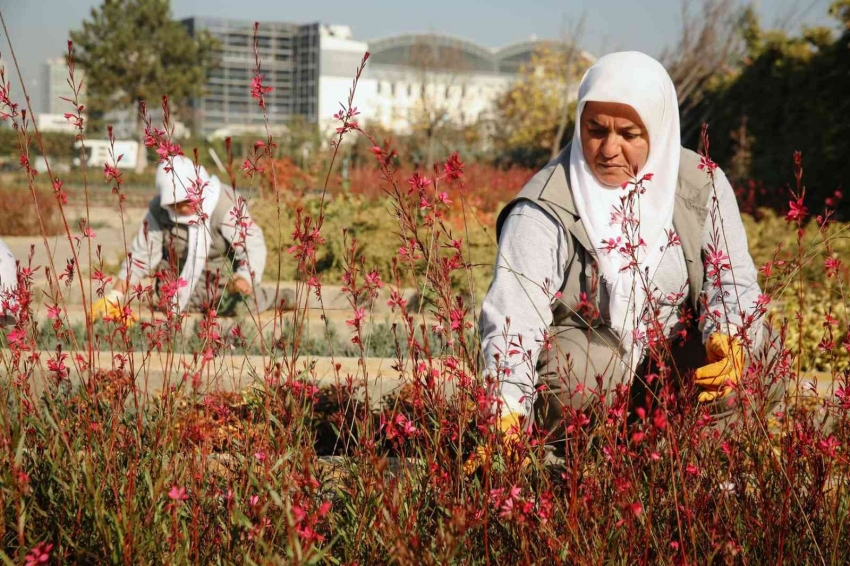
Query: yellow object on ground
(725, 367)
(510, 426)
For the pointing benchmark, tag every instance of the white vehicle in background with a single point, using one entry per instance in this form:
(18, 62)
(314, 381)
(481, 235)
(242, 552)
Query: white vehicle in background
(98, 153)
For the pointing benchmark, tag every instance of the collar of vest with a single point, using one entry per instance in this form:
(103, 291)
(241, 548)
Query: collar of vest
(552, 185)
(551, 188)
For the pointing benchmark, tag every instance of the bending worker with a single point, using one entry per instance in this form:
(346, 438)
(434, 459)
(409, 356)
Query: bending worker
(559, 238)
(196, 231)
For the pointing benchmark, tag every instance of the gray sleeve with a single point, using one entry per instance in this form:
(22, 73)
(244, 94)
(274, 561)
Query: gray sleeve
(8, 269)
(145, 251)
(247, 240)
(732, 293)
(517, 308)
(8, 284)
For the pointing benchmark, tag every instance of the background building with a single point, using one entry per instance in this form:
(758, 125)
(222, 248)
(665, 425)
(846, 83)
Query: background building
(419, 79)
(290, 63)
(410, 79)
(56, 87)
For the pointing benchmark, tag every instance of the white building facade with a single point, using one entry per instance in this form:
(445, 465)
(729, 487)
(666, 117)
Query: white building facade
(417, 78)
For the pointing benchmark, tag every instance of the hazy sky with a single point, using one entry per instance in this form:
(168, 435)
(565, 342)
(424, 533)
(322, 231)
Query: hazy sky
(39, 29)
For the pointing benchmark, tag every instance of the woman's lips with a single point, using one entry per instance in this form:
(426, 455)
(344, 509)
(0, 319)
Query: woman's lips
(609, 167)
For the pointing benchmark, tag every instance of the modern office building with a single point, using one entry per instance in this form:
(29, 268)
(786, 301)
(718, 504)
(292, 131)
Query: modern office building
(55, 76)
(409, 77)
(290, 64)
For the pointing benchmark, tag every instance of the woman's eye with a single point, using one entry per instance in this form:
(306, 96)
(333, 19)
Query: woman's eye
(631, 136)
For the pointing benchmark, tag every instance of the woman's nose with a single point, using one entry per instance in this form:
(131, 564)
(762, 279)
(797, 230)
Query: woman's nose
(610, 147)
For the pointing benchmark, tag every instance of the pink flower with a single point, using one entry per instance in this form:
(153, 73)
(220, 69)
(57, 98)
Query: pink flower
(178, 494)
(611, 244)
(396, 301)
(259, 91)
(110, 172)
(416, 181)
(832, 265)
(39, 554)
(16, 337)
(716, 261)
(673, 239)
(829, 445)
(797, 211)
(54, 312)
(454, 167)
(359, 315)
(75, 120)
(706, 164)
(167, 149)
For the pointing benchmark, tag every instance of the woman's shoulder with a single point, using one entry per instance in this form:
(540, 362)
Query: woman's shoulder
(525, 210)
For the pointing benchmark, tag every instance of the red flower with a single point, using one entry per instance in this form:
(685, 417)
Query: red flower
(706, 164)
(178, 494)
(258, 90)
(797, 211)
(40, 554)
(832, 265)
(454, 167)
(110, 172)
(359, 315)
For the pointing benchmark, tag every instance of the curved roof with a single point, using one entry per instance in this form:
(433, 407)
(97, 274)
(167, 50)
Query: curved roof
(437, 50)
(511, 57)
(442, 51)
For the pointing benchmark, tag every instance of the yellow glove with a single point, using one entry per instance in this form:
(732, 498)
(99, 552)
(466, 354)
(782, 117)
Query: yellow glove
(109, 307)
(510, 426)
(725, 367)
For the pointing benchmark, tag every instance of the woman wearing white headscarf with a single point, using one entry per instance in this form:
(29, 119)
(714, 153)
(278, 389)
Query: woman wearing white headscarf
(197, 232)
(567, 311)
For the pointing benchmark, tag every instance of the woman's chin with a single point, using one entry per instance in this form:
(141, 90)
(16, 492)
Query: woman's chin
(611, 179)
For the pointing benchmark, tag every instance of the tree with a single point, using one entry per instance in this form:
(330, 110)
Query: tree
(573, 61)
(534, 114)
(439, 71)
(789, 94)
(710, 45)
(132, 50)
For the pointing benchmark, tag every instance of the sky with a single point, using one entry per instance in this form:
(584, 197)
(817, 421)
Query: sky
(39, 29)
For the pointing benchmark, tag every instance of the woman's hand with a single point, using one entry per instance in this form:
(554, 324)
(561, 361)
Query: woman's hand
(725, 367)
(111, 306)
(510, 430)
(239, 285)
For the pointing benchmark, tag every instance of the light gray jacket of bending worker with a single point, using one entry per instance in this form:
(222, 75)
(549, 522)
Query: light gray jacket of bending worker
(161, 241)
(546, 200)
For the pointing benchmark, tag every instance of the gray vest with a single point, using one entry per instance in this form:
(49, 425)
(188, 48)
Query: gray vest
(550, 190)
(175, 237)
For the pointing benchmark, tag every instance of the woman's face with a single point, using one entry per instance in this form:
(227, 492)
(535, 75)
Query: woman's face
(614, 141)
(182, 208)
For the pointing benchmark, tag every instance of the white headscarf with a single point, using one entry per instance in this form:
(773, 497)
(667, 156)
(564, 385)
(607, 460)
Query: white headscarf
(175, 182)
(641, 82)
